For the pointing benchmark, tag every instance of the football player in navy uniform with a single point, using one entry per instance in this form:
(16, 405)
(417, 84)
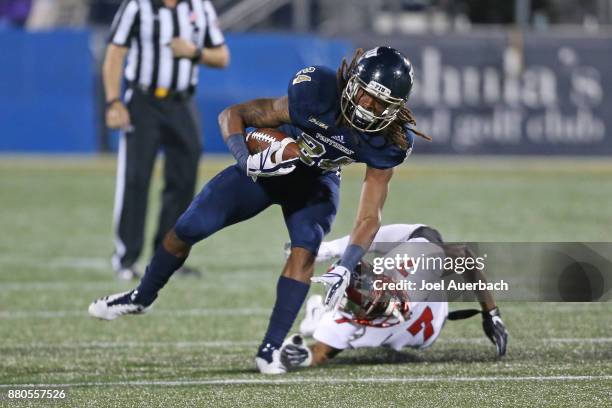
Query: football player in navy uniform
(355, 114)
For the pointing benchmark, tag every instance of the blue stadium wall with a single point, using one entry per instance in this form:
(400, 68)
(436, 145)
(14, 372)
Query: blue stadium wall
(46, 92)
(48, 87)
(475, 93)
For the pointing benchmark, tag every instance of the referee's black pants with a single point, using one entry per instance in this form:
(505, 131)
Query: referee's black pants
(171, 124)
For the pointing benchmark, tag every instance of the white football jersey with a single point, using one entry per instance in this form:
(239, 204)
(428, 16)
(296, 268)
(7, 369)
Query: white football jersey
(420, 330)
(428, 310)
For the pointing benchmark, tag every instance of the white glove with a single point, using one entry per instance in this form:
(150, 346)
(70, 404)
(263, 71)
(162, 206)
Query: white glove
(336, 280)
(268, 162)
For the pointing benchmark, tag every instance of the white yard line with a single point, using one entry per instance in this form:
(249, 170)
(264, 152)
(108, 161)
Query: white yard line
(58, 314)
(249, 278)
(60, 263)
(460, 340)
(58, 285)
(301, 381)
(134, 344)
(230, 343)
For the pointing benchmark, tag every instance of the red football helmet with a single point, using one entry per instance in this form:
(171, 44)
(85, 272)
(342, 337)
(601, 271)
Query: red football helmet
(374, 307)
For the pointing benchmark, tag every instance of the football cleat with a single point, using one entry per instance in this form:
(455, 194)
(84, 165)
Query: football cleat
(119, 304)
(268, 360)
(314, 311)
(295, 353)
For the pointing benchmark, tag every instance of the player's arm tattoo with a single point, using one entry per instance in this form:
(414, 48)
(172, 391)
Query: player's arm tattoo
(265, 112)
(258, 113)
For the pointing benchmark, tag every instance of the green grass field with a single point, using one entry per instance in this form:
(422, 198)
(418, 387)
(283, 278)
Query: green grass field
(196, 347)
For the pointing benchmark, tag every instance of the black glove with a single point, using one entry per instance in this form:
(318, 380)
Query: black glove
(495, 330)
(295, 353)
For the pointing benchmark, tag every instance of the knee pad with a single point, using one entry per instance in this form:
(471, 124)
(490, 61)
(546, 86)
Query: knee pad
(308, 237)
(192, 228)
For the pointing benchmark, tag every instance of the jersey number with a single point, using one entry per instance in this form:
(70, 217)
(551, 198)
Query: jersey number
(311, 151)
(424, 321)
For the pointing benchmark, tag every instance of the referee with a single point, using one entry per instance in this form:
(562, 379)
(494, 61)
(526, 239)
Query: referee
(164, 41)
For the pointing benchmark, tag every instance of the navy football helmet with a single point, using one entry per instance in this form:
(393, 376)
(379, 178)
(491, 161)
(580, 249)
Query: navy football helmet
(386, 75)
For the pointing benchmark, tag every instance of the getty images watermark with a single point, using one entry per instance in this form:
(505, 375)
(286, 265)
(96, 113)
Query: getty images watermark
(408, 265)
(574, 272)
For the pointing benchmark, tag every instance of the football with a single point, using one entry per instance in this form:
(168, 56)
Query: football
(260, 139)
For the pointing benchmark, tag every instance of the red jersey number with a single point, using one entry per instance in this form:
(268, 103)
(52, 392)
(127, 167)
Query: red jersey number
(423, 322)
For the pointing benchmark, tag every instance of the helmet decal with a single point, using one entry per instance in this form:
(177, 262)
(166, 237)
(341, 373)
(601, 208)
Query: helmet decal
(379, 88)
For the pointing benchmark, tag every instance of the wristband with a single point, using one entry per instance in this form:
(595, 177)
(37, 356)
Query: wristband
(351, 257)
(197, 56)
(238, 148)
(112, 102)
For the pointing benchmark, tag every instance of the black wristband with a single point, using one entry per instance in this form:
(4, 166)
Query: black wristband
(112, 102)
(197, 56)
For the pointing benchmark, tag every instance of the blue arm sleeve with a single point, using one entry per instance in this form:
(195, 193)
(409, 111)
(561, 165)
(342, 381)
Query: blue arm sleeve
(351, 257)
(237, 146)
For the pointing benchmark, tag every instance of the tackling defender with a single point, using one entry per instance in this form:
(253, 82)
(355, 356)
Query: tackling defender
(395, 321)
(356, 114)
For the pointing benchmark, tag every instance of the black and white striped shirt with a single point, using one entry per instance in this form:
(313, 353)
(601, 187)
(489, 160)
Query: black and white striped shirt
(147, 28)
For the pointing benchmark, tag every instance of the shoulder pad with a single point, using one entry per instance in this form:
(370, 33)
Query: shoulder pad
(312, 91)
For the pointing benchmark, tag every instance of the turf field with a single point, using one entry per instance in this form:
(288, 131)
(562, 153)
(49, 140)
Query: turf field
(196, 347)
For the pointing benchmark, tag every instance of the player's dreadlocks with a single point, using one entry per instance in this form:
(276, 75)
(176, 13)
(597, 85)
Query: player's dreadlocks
(395, 131)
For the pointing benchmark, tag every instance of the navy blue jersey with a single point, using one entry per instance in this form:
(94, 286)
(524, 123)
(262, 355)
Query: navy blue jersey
(314, 107)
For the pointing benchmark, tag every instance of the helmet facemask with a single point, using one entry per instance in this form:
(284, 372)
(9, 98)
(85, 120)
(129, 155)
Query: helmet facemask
(374, 307)
(361, 118)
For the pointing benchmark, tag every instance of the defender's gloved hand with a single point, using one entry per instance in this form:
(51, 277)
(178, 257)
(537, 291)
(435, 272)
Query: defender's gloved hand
(336, 280)
(495, 330)
(269, 163)
(295, 353)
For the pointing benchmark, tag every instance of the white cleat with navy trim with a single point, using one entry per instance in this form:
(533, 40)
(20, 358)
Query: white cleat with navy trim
(112, 306)
(268, 360)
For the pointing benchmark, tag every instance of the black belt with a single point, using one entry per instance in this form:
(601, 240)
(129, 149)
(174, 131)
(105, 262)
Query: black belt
(164, 93)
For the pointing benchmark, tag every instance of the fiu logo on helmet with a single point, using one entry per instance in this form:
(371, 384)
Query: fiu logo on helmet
(301, 78)
(371, 53)
(379, 88)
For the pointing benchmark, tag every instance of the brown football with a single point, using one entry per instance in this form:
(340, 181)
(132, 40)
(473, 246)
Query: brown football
(260, 139)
